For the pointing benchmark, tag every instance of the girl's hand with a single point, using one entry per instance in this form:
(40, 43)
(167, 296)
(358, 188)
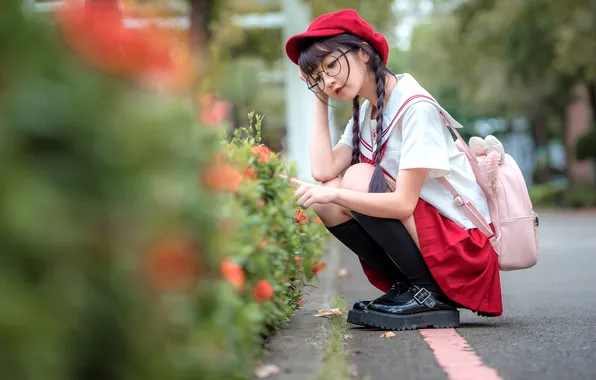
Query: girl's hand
(310, 194)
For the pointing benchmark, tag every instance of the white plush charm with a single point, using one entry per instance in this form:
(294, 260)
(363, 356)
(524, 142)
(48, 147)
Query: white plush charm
(483, 147)
(490, 153)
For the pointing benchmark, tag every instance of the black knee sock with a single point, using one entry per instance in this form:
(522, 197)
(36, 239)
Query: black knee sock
(353, 236)
(394, 239)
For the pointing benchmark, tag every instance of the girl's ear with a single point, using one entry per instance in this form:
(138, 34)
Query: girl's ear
(363, 55)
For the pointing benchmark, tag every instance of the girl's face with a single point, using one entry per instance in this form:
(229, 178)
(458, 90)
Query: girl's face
(340, 75)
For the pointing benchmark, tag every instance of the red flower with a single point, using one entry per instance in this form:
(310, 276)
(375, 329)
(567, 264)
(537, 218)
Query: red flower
(250, 173)
(262, 153)
(213, 111)
(318, 220)
(96, 32)
(233, 273)
(300, 217)
(316, 268)
(223, 177)
(173, 266)
(263, 291)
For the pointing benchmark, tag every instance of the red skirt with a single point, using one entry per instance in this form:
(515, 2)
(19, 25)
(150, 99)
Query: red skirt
(463, 262)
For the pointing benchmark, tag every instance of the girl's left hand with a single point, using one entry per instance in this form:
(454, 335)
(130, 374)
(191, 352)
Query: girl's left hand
(310, 194)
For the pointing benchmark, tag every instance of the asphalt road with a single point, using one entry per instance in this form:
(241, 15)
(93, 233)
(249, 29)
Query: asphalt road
(547, 330)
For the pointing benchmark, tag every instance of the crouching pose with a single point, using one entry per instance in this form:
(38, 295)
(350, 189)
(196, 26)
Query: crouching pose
(380, 193)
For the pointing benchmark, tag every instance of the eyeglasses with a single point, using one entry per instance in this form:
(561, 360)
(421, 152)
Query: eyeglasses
(331, 66)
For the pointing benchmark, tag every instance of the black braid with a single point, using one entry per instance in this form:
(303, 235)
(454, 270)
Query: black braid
(356, 131)
(378, 183)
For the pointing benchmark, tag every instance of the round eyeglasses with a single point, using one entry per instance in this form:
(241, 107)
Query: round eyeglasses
(331, 66)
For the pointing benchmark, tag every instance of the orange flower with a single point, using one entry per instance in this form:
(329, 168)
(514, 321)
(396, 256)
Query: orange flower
(297, 258)
(213, 111)
(250, 173)
(95, 31)
(173, 266)
(222, 176)
(300, 217)
(233, 273)
(263, 153)
(318, 220)
(316, 268)
(301, 302)
(263, 291)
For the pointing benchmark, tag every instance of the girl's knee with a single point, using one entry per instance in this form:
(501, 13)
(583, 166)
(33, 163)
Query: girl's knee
(332, 214)
(357, 177)
(335, 182)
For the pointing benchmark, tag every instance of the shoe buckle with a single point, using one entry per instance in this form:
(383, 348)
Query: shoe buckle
(422, 295)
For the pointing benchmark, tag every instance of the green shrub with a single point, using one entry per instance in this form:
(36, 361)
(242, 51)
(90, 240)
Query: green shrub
(558, 195)
(546, 195)
(580, 197)
(117, 248)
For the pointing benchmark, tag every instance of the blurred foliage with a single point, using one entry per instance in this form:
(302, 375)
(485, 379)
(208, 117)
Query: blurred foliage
(127, 251)
(507, 57)
(378, 13)
(586, 146)
(550, 195)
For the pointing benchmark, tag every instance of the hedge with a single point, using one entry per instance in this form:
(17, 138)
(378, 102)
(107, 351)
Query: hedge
(137, 242)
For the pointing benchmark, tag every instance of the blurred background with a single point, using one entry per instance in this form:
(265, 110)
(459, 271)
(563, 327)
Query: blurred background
(523, 71)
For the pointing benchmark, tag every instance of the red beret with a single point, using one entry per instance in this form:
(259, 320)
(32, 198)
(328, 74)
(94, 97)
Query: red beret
(333, 24)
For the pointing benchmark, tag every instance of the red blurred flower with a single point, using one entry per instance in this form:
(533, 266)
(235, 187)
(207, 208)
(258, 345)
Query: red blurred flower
(317, 267)
(95, 31)
(213, 111)
(262, 153)
(223, 177)
(233, 273)
(173, 265)
(263, 291)
(300, 217)
(318, 220)
(250, 173)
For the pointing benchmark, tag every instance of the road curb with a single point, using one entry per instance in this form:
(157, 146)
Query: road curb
(299, 348)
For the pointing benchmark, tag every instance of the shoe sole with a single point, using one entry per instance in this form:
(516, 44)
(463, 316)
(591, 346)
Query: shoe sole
(440, 319)
(355, 317)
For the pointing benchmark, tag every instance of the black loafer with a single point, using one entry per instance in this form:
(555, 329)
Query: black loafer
(410, 310)
(356, 314)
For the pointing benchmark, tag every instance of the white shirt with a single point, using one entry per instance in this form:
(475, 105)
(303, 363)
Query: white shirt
(421, 139)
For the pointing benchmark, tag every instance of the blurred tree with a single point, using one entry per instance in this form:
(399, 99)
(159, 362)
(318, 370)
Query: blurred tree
(510, 58)
(378, 13)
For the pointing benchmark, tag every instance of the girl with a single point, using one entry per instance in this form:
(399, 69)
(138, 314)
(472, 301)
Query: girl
(389, 207)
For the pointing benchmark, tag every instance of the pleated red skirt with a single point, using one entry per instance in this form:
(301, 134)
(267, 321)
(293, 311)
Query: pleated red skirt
(463, 262)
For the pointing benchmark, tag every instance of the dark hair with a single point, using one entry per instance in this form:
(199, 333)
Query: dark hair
(311, 58)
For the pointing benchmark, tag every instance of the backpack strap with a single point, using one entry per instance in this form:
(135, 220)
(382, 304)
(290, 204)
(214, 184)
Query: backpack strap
(468, 208)
(461, 202)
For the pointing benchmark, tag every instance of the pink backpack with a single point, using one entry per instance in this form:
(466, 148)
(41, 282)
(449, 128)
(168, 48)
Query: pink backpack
(515, 236)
